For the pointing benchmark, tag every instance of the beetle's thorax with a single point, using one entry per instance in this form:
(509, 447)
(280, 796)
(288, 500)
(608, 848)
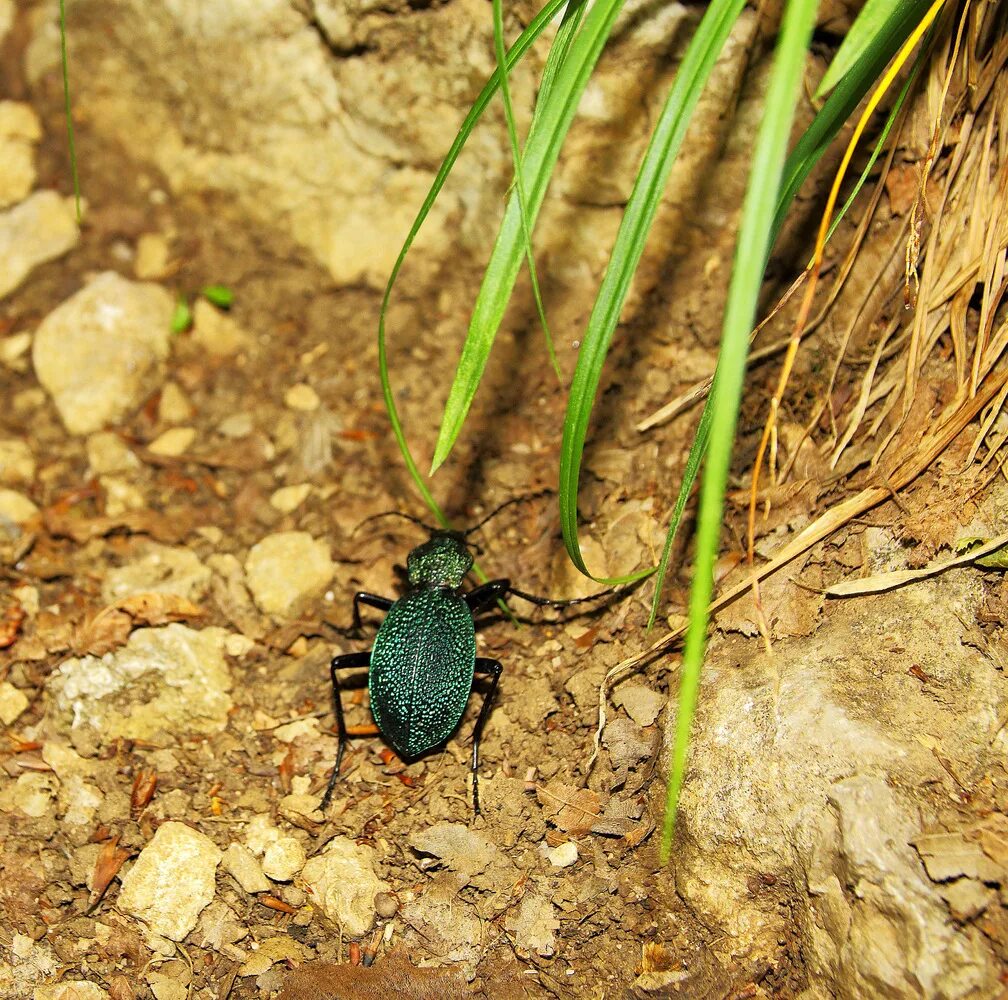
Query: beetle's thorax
(442, 561)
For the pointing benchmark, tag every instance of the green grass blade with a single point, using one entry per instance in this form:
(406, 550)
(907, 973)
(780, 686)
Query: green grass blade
(846, 96)
(505, 89)
(570, 22)
(690, 80)
(872, 19)
(65, 62)
(541, 151)
(755, 233)
(514, 55)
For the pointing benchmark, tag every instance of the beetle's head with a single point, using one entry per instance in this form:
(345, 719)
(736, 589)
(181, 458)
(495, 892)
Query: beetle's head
(442, 561)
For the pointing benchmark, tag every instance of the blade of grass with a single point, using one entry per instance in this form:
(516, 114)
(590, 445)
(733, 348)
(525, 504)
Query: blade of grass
(542, 148)
(514, 55)
(652, 176)
(871, 19)
(505, 89)
(752, 249)
(65, 63)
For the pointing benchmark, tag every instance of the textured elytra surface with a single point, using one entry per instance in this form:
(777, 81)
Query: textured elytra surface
(422, 670)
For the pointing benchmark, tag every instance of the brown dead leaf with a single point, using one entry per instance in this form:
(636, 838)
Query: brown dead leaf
(107, 865)
(169, 526)
(144, 785)
(394, 976)
(573, 810)
(159, 609)
(110, 627)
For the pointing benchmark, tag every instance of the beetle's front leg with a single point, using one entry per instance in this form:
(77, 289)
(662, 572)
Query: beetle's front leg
(487, 593)
(345, 662)
(372, 601)
(484, 665)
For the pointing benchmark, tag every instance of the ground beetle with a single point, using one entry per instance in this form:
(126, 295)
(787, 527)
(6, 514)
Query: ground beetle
(422, 665)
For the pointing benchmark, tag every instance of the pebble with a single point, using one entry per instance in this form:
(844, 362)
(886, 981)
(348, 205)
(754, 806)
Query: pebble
(244, 867)
(216, 333)
(282, 854)
(563, 855)
(13, 350)
(12, 702)
(286, 568)
(288, 498)
(17, 463)
(71, 989)
(16, 507)
(20, 130)
(173, 442)
(151, 259)
(641, 703)
(159, 569)
(344, 886)
(238, 645)
(238, 425)
(172, 880)
(174, 406)
(302, 397)
(32, 794)
(102, 351)
(121, 495)
(40, 228)
(107, 452)
(386, 905)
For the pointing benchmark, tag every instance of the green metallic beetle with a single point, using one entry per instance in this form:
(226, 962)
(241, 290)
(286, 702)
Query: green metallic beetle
(422, 665)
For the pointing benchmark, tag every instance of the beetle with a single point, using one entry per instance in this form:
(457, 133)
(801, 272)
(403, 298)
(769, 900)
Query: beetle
(423, 663)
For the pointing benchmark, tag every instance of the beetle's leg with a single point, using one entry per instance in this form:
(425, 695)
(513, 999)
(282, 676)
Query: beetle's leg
(487, 593)
(372, 601)
(484, 665)
(344, 662)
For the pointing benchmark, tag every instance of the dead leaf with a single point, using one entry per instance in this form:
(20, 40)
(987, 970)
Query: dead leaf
(110, 859)
(570, 809)
(393, 976)
(110, 627)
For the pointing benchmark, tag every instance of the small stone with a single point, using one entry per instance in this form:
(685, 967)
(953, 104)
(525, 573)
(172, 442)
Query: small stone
(289, 498)
(292, 730)
(172, 880)
(121, 495)
(239, 862)
(38, 229)
(386, 905)
(17, 464)
(174, 406)
(12, 702)
(238, 425)
(166, 988)
(302, 397)
(173, 442)
(272, 950)
(32, 794)
(283, 856)
(564, 855)
(219, 335)
(101, 352)
(16, 507)
(107, 452)
(19, 132)
(285, 569)
(238, 645)
(13, 350)
(73, 989)
(344, 885)
(151, 259)
(159, 569)
(641, 703)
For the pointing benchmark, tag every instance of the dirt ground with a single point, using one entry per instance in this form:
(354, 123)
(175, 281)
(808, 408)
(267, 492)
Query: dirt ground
(556, 890)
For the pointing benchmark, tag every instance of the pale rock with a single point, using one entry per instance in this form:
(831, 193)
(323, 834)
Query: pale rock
(38, 229)
(79, 800)
(121, 495)
(563, 855)
(290, 731)
(160, 569)
(12, 703)
(302, 397)
(238, 645)
(288, 498)
(184, 672)
(641, 703)
(151, 259)
(239, 862)
(285, 569)
(217, 333)
(165, 987)
(32, 794)
(20, 130)
(71, 989)
(238, 425)
(343, 885)
(282, 854)
(28, 597)
(173, 442)
(273, 950)
(108, 453)
(14, 350)
(102, 351)
(174, 406)
(17, 463)
(16, 508)
(171, 881)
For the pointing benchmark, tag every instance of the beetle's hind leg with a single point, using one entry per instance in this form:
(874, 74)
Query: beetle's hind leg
(484, 665)
(345, 662)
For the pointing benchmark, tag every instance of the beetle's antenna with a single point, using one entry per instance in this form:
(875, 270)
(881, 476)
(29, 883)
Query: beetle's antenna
(550, 602)
(507, 503)
(394, 513)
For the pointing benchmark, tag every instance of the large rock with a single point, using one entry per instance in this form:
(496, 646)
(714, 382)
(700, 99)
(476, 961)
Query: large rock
(344, 885)
(286, 568)
(810, 776)
(38, 229)
(19, 132)
(103, 350)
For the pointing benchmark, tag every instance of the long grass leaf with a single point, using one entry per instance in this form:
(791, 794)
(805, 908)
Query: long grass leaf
(570, 22)
(755, 233)
(871, 19)
(690, 80)
(65, 63)
(514, 55)
(541, 151)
